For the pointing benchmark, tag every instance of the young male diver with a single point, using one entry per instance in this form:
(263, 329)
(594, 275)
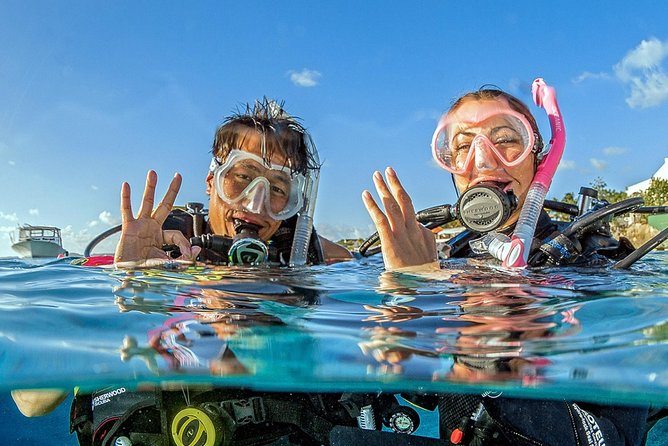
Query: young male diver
(262, 186)
(490, 142)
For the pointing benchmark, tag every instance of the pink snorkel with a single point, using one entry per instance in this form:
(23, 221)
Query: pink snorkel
(514, 251)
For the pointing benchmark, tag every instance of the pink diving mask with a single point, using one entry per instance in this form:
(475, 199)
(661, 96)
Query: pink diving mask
(491, 130)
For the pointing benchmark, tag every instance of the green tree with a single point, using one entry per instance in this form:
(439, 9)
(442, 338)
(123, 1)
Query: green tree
(607, 194)
(657, 193)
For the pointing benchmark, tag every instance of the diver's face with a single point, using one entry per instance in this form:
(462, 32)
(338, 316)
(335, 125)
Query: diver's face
(486, 166)
(222, 214)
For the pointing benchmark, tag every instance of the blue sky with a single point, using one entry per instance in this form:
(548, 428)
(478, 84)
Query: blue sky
(95, 93)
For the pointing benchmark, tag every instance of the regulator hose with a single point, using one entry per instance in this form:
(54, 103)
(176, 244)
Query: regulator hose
(93, 243)
(431, 218)
(582, 224)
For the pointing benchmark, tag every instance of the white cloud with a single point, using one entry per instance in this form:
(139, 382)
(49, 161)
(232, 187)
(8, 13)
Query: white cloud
(426, 114)
(612, 151)
(11, 163)
(567, 165)
(106, 218)
(94, 187)
(305, 77)
(93, 223)
(598, 164)
(9, 217)
(7, 229)
(641, 69)
(33, 212)
(587, 75)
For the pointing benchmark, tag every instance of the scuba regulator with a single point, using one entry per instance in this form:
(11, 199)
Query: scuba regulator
(485, 207)
(246, 248)
(482, 208)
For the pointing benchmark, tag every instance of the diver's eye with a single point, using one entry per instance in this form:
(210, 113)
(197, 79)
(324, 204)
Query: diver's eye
(279, 191)
(461, 148)
(242, 177)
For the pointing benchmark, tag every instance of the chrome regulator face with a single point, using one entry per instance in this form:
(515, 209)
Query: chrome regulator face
(485, 207)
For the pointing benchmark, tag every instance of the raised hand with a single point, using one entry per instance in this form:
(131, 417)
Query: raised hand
(405, 242)
(142, 238)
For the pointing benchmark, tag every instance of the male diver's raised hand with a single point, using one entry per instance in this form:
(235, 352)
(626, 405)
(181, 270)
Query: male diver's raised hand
(142, 238)
(405, 242)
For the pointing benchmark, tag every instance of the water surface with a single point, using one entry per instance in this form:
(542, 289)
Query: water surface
(586, 334)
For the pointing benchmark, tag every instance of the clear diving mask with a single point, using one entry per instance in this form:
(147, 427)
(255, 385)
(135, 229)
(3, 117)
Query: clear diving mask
(248, 181)
(461, 137)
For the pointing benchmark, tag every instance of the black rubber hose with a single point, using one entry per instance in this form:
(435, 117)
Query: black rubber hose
(652, 210)
(644, 249)
(93, 243)
(559, 206)
(591, 218)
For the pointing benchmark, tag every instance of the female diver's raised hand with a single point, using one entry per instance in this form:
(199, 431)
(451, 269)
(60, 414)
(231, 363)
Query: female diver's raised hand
(142, 238)
(405, 242)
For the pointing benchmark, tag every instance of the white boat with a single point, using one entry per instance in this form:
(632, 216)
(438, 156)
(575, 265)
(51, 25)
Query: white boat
(38, 241)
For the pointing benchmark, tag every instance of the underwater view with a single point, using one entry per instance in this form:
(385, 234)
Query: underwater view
(587, 334)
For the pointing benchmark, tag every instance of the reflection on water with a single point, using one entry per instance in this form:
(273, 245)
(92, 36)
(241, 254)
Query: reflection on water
(562, 332)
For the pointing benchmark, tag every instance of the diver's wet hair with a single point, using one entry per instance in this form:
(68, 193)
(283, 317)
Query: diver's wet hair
(279, 132)
(492, 92)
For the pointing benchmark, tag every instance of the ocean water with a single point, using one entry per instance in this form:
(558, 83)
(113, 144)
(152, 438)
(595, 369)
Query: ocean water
(594, 334)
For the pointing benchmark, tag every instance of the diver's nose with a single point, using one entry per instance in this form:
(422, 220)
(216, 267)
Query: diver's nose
(255, 198)
(485, 158)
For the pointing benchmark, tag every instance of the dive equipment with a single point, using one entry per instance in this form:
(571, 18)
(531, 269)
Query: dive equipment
(190, 220)
(248, 179)
(482, 208)
(197, 426)
(586, 199)
(431, 218)
(644, 249)
(468, 133)
(485, 207)
(304, 225)
(514, 251)
(247, 247)
(228, 416)
(402, 420)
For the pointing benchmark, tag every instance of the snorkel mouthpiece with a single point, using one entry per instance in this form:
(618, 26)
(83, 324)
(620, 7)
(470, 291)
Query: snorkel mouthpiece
(247, 247)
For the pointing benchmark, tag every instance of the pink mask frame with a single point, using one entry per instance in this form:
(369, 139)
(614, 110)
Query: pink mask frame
(447, 120)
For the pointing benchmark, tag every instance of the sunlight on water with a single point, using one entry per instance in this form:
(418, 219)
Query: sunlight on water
(584, 333)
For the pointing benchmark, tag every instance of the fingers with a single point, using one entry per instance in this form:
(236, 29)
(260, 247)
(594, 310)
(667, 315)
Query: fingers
(400, 195)
(126, 205)
(175, 237)
(149, 195)
(392, 208)
(376, 214)
(165, 206)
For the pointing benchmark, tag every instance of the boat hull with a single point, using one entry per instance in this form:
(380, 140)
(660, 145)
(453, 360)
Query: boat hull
(37, 249)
